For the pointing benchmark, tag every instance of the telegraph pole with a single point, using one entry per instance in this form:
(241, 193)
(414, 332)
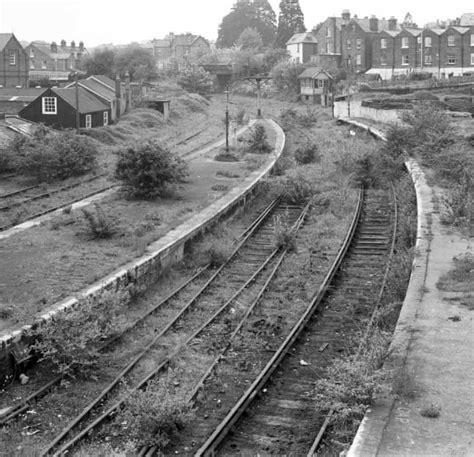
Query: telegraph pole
(78, 117)
(227, 120)
(257, 80)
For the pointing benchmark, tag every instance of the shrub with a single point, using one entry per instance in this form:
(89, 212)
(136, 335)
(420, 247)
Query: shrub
(257, 141)
(307, 153)
(49, 157)
(307, 118)
(297, 185)
(71, 340)
(98, 224)
(151, 417)
(284, 235)
(195, 80)
(241, 117)
(147, 170)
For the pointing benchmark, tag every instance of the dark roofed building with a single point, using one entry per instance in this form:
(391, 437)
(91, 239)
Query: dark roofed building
(13, 100)
(316, 86)
(57, 108)
(13, 62)
(302, 46)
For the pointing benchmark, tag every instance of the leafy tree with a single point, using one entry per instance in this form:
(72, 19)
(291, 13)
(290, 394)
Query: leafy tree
(285, 77)
(195, 80)
(147, 170)
(290, 21)
(101, 62)
(249, 39)
(137, 61)
(259, 16)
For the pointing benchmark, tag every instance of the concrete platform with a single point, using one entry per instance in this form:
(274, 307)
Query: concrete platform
(432, 353)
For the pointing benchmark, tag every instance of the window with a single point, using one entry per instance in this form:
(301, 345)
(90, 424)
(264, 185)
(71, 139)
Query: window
(358, 43)
(404, 42)
(44, 65)
(428, 42)
(50, 105)
(472, 59)
(88, 121)
(451, 60)
(328, 33)
(383, 59)
(427, 59)
(32, 64)
(349, 44)
(358, 59)
(405, 59)
(472, 39)
(328, 48)
(451, 40)
(297, 47)
(106, 118)
(12, 57)
(418, 40)
(32, 53)
(383, 43)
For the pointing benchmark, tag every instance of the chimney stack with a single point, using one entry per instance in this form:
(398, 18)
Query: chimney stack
(73, 44)
(346, 15)
(392, 23)
(81, 46)
(54, 47)
(63, 43)
(374, 24)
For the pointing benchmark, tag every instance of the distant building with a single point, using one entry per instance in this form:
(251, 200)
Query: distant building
(13, 62)
(57, 108)
(316, 86)
(301, 46)
(13, 99)
(54, 62)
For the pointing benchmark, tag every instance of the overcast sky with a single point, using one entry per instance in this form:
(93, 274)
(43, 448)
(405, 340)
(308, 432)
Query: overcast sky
(122, 21)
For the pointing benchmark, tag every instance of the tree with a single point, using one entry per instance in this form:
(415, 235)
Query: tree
(101, 62)
(250, 40)
(259, 16)
(290, 21)
(147, 170)
(137, 61)
(195, 80)
(285, 77)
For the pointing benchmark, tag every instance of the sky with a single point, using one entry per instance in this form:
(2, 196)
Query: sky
(97, 22)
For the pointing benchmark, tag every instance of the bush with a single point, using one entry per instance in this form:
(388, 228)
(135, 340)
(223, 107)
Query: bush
(297, 185)
(147, 170)
(257, 141)
(55, 156)
(151, 417)
(7, 160)
(98, 224)
(285, 237)
(307, 154)
(195, 80)
(71, 340)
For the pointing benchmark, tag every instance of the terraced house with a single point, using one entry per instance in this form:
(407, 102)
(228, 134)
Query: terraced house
(13, 62)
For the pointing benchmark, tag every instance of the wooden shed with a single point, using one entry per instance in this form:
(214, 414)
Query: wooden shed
(316, 86)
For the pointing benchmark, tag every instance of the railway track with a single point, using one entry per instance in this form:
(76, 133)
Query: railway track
(205, 303)
(280, 418)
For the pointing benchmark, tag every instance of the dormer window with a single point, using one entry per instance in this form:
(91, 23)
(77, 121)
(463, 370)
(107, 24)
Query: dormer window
(12, 57)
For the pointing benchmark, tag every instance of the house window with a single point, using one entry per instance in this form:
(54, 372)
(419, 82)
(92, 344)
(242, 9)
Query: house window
(50, 105)
(405, 59)
(383, 59)
(383, 43)
(472, 59)
(358, 43)
(106, 118)
(32, 53)
(404, 42)
(44, 65)
(427, 59)
(298, 48)
(428, 42)
(451, 40)
(349, 44)
(328, 48)
(328, 33)
(32, 64)
(358, 59)
(451, 60)
(12, 57)
(88, 121)
(472, 39)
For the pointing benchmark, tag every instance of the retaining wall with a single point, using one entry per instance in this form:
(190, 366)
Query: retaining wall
(160, 255)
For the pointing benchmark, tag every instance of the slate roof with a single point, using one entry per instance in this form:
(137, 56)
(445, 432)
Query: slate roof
(306, 37)
(312, 72)
(105, 80)
(382, 25)
(184, 40)
(4, 39)
(467, 19)
(461, 30)
(88, 103)
(14, 94)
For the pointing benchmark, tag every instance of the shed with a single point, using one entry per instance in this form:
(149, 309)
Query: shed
(316, 86)
(57, 108)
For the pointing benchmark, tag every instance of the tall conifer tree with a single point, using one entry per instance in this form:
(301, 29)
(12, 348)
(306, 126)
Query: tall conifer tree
(290, 21)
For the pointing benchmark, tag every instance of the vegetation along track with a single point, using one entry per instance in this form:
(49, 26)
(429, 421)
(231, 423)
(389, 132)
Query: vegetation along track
(213, 303)
(280, 415)
(25, 205)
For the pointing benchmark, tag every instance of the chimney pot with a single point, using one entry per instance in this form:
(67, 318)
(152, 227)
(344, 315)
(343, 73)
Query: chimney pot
(373, 24)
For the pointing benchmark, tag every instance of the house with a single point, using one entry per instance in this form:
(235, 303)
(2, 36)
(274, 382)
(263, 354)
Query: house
(13, 62)
(52, 62)
(114, 93)
(57, 108)
(14, 99)
(316, 86)
(301, 46)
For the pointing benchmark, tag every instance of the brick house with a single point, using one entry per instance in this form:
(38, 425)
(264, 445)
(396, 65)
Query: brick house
(302, 46)
(57, 108)
(53, 62)
(13, 62)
